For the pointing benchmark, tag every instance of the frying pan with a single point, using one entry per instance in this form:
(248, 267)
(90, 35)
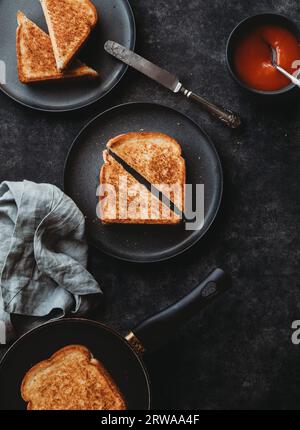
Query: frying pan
(121, 356)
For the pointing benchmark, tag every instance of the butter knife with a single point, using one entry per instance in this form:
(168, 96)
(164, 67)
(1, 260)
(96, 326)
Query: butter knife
(169, 81)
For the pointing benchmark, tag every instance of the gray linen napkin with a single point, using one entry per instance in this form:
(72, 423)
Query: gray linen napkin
(43, 255)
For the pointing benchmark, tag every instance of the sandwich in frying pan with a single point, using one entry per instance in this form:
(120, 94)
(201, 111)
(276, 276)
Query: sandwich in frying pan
(71, 380)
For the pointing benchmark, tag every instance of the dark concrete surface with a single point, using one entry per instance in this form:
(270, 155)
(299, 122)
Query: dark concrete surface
(237, 354)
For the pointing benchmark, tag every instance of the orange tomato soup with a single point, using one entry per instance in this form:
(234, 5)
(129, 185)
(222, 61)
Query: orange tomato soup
(253, 57)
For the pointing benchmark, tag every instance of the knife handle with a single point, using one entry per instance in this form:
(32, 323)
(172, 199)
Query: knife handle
(228, 117)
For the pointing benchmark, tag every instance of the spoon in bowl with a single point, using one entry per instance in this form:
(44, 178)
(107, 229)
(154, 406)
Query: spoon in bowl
(292, 78)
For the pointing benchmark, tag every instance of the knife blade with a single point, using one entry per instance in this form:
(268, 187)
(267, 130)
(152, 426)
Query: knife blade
(144, 66)
(169, 81)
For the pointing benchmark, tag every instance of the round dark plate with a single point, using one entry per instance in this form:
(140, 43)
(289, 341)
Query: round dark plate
(123, 364)
(116, 22)
(142, 243)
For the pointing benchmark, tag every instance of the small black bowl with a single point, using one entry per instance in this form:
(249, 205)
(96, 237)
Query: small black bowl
(244, 27)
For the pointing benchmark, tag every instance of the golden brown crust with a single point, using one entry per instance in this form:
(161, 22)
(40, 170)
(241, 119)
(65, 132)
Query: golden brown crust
(70, 23)
(155, 156)
(35, 58)
(142, 222)
(30, 388)
(45, 363)
(19, 57)
(121, 138)
(113, 387)
(110, 174)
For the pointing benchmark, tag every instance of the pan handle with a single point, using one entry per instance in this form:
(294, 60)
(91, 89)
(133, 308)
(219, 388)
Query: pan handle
(158, 329)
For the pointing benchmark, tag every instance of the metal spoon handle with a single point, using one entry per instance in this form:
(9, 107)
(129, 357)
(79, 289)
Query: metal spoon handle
(228, 117)
(289, 76)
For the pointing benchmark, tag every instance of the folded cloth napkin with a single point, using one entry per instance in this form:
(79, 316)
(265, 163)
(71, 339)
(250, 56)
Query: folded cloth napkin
(43, 256)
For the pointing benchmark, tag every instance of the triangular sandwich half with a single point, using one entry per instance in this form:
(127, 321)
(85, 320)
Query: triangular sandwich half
(35, 56)
(70, 23)
(125, 201)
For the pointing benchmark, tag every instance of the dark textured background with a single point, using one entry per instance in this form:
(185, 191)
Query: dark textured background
(237, 353)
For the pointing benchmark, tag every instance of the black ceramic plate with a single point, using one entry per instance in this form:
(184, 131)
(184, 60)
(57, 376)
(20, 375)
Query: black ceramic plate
(116, 22)
(141, 243)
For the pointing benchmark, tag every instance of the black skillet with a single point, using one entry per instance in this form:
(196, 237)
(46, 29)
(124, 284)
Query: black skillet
(121, 356)
(116, 22)
(142, 243)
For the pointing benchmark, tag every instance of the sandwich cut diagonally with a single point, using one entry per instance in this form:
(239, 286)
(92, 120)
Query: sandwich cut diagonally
(35, 56)
(141, 206)
(157, 157)
(70, 23)
(154, 162)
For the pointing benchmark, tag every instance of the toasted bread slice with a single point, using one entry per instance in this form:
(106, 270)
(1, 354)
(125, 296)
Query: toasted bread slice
(71, 380)
(157, 157)
(130, 202)
(35, 56)
(70, 23)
